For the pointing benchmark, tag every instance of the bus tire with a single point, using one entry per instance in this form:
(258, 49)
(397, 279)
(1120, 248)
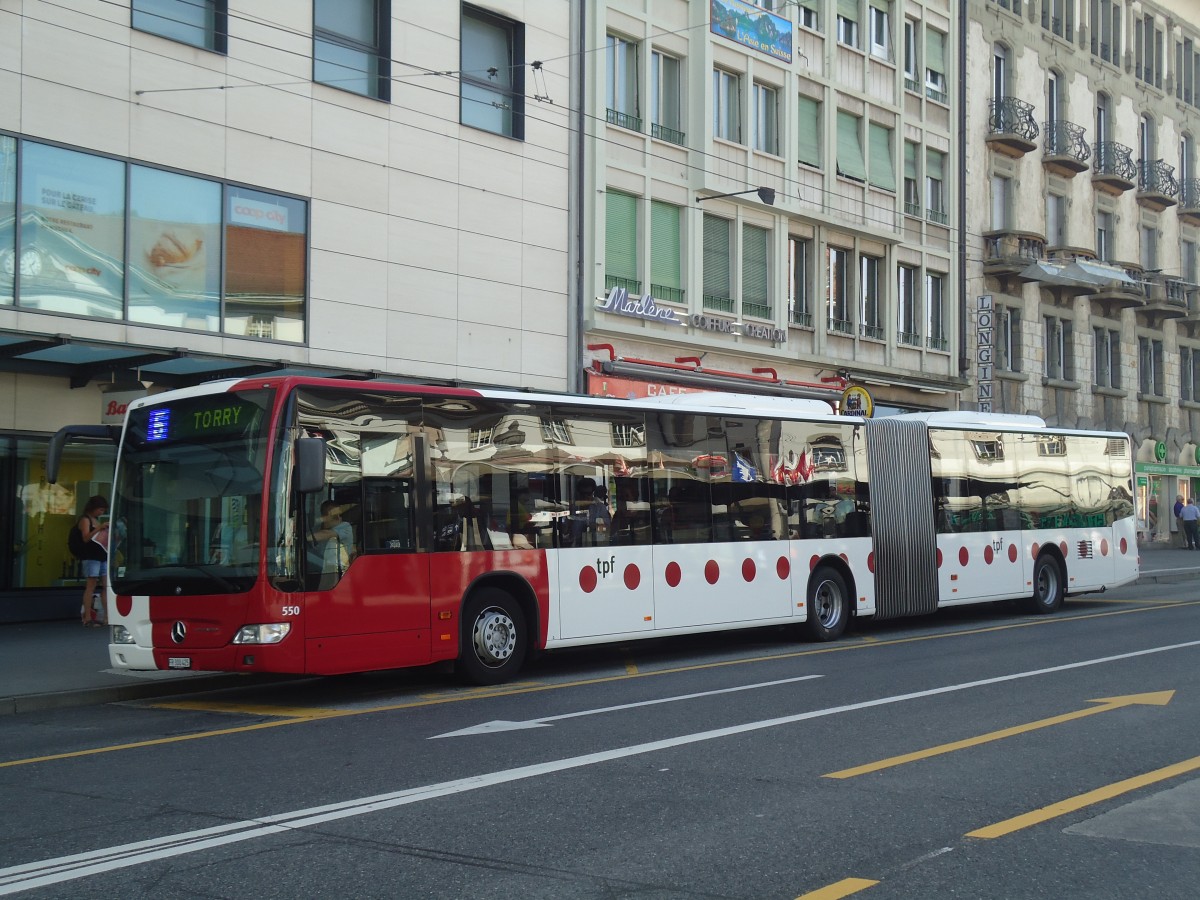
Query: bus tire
(494, 640)
(1048, 588)
(828, 605)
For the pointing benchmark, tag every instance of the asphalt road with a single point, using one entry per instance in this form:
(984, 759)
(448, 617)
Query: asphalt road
(977, 753)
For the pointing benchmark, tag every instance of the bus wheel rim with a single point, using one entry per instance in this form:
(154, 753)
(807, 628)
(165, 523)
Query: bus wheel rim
(494, 636)
(828, 609)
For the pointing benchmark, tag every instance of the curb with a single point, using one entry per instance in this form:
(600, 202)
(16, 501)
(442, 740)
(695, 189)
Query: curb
(1169, 576)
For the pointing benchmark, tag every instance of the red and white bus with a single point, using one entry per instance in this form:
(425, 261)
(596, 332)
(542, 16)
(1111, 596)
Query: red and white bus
(485, 525)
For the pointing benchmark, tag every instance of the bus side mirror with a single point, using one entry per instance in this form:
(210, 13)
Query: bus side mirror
(310, 464)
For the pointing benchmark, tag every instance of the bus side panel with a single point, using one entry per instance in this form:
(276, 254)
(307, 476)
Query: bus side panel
(605, 590)
(1126, 564)
(451, 574)
(379, 593)
(716, 583)
(856, 553)
(981, 565)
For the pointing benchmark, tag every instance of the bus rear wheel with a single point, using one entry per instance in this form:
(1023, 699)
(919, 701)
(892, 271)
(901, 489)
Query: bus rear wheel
(1047, 586)
(494, 639)
(828, 605)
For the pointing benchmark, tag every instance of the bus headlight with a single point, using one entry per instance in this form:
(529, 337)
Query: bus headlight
(271, 633)
(121, 635)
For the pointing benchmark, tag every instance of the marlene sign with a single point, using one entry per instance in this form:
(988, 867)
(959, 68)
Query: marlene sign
(643, 307)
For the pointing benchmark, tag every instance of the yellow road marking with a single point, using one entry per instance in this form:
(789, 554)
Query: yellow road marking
(249, 709)
(1157, 698)
(530, 688)
(843, 888)
(631, 667)
(1073, 804)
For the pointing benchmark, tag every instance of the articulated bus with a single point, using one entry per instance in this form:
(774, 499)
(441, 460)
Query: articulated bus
(307, 525)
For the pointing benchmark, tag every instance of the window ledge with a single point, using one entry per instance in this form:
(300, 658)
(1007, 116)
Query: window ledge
(1060, 384)
(1005, 375)
(1190, 404)
(1152, 398)
(1111, 392)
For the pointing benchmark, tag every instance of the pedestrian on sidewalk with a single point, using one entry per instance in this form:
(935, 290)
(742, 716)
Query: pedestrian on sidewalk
(1178, 527)
(1190, 517)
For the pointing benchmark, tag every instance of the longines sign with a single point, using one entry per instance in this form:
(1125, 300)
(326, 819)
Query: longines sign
(620, 302)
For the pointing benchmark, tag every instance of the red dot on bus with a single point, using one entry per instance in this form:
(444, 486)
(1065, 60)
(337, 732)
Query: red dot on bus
(1063, 547)
(843, 557)
(871, 562)
(988, 555)
(939, 557)
(712, 571)
(1104, 547)
(1012, 552)
(1034, 550)
(124, 605)
(1124, 546)
(633, 577)
(963, 556)
(812, 562)
(783, 568)
(748, 570)
(587, 579)
(674, 574)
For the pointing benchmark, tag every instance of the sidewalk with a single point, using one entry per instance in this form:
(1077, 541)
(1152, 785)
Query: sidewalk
(51, 665)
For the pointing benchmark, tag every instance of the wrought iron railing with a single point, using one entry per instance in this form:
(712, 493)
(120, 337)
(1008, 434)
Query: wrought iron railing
(912, 209)
(758, 310)
(1156, 177)
(1189, 193)
(632, 285)
(668, 294)
(803, 319)
(663, 133)
(624, 120)
(718, 304)
(1012, 116)
(1111, 158)
(1066, 139)
(911, 338)
(939, 343)
(840, 326)
(874, 332)
(940, 216)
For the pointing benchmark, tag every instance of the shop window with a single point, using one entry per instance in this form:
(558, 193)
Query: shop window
(174, 250)
(72, 233)
(265, 247)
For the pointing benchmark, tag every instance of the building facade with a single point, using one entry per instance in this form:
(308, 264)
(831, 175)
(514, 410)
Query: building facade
(198, 188)
(774, 192)
(1083, 262)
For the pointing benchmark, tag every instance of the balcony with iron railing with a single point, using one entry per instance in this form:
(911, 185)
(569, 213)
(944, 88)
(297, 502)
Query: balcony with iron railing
(670, 135)
(874, 332)
(632, 285)
(758, 310)
(908, 338)
(668, 294)
(839, 326)
(1113, 170)
(1192, 320)
(801, 318)
(624, 120)
(1008, 253)
(1189, 201)
(1011, 128)
(1157, 186)
(1064, 149)
(714, 303)
(1125, 291)
(1166, 298)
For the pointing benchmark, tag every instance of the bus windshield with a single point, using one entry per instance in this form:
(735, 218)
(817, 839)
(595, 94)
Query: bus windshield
(188, 498)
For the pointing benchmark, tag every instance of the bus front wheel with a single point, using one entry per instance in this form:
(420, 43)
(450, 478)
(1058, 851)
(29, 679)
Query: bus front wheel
(1047, 586)
(828, 605)
(494, 640)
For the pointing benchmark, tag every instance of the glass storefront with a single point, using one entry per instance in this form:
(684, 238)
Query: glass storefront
(201, 254)
(33, 531)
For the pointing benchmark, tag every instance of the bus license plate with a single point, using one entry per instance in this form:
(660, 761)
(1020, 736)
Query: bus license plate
(179, 662)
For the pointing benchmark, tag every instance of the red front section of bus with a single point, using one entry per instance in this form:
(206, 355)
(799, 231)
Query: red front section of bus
(388, 611)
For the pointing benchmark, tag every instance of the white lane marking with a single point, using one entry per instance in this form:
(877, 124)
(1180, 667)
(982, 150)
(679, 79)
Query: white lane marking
(502, 725)
(68, 868)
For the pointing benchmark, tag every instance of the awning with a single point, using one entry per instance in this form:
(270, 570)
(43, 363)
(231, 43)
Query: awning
(1099, 273)
(1053, 273)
